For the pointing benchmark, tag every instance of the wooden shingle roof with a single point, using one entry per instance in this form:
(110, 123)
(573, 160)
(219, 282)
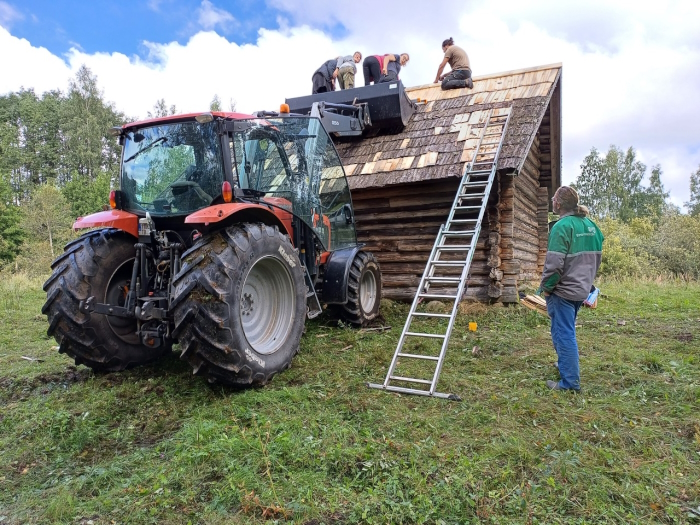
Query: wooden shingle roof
(439, 138)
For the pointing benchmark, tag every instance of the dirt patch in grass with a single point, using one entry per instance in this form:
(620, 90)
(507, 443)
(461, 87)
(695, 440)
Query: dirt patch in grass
(43, 383)
(71, 374)
(686, 337)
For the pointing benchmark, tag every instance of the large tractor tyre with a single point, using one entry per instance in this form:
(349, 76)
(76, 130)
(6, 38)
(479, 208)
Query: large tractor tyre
(239, 305)
(97, 264)
(364, 290)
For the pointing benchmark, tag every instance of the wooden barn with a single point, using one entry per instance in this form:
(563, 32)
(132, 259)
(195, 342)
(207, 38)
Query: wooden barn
(403, 183)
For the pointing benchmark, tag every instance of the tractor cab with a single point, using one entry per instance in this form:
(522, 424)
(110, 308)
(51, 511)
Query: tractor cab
(171, 170)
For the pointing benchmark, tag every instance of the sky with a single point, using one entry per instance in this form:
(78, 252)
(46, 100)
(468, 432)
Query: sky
(631, 69)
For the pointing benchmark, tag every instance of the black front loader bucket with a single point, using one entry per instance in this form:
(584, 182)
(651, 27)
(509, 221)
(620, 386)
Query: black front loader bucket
(387, 103)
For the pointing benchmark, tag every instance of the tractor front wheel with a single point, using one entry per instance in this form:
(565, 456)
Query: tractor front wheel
(239, 305)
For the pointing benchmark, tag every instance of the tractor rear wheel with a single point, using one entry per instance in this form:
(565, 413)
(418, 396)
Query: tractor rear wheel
(364, 290)
(97, 264)
(239, 305)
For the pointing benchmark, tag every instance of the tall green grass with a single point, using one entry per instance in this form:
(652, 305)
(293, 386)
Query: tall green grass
(156, 445)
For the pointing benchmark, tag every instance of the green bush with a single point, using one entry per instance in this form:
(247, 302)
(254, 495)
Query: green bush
(625, 250)
(676, 246)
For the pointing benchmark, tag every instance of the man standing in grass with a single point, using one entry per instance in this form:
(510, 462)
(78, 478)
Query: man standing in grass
(573, 258)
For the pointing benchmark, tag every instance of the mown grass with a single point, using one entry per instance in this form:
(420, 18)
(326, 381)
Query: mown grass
(156, 445)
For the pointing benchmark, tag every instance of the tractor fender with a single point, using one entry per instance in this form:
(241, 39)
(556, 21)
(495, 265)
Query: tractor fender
(242, 212)
(337, 271)
(119, 219)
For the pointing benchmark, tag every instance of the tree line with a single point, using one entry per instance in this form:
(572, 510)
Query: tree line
(58, 162)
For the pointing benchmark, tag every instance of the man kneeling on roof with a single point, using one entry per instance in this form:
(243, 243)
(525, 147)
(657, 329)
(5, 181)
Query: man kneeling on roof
(461, 74)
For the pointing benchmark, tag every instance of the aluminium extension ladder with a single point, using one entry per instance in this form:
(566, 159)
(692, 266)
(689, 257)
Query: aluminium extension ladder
(448, 266)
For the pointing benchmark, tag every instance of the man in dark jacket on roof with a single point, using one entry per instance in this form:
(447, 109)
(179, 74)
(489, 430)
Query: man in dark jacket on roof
(324, 78)
(573, 258)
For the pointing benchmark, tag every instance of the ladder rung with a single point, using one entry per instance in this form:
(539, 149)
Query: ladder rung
(467, 207)
(425, 314)
(447, 263)
(421, 334)
(411, 380)
(436, 296)
(477, 172)
(461, 248)
(444, 279)
(467, 233)
(415, 356)
(463, 220)
(471, 195)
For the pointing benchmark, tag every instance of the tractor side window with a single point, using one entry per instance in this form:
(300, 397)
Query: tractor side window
(259, 163)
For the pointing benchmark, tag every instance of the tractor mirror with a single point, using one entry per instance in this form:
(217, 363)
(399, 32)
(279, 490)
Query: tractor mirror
(347, 211)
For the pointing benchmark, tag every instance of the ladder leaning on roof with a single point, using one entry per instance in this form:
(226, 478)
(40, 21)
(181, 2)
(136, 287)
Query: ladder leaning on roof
(452, 252)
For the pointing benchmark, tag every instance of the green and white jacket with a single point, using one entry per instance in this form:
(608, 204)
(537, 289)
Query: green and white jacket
(573, 257)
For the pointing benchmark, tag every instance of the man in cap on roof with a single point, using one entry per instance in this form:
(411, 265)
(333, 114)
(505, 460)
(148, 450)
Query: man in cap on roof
(573, 257)
(461, 74)
(345, 70)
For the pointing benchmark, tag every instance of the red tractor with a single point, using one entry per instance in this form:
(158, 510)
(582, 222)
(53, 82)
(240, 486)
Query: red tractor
(228, 231)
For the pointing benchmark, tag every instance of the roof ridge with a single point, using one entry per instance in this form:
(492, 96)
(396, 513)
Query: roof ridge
(556, 65)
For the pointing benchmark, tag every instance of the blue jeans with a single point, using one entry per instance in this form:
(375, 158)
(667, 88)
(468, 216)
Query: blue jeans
(563, 314)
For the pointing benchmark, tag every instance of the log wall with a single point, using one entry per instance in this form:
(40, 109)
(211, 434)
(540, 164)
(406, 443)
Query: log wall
(399, 225)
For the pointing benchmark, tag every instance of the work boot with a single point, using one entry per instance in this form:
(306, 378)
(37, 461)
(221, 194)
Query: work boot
(554, 385)
(469, 83)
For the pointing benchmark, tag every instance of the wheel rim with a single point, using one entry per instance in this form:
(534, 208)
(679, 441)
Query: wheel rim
(368, 291)
(267, 305)
(124, 328)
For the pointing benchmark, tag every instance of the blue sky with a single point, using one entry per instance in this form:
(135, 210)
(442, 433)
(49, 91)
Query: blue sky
(630, 68)
(107, 26)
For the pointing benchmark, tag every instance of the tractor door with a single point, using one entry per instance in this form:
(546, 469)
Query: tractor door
(294, 159)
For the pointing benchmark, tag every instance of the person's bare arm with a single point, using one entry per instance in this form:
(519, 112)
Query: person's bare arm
(439, 75)
(387, 59)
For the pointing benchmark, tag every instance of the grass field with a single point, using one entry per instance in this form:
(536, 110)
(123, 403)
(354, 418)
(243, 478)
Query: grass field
(156, 445)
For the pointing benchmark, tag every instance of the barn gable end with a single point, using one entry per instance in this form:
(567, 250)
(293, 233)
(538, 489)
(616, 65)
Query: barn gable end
(403, 184)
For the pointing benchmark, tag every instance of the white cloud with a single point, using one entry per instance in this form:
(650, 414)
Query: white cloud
(8, 15)
(24, 65)
(630, 70)
(211, 17)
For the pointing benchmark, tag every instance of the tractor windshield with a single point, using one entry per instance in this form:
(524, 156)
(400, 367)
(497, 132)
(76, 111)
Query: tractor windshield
(171, 169)
(293, 159)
